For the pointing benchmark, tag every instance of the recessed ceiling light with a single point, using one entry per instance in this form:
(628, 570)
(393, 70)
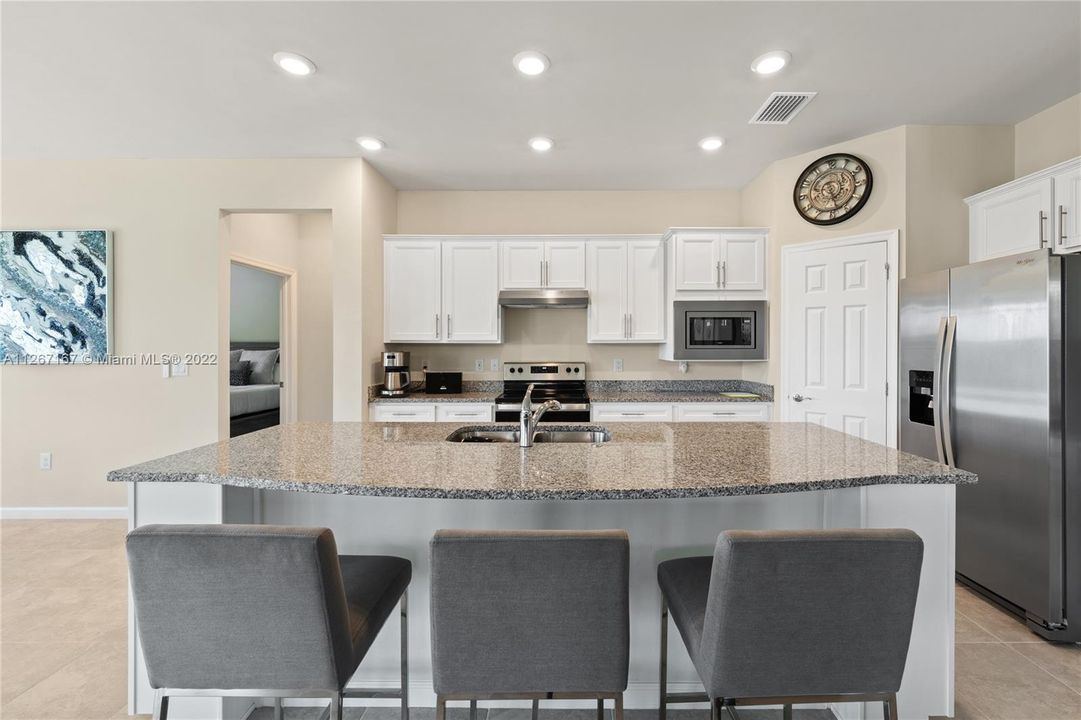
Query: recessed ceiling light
(531, 62)
(541, 144)
(371, 143)
(771, 62)
(294, 64)
(711, 143)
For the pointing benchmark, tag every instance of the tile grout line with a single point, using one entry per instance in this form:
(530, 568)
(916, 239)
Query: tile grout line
(1041, 668)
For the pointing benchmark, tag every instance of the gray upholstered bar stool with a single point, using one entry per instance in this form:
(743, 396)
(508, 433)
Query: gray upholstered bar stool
(781, 618)
(260, 611)
(530, 615)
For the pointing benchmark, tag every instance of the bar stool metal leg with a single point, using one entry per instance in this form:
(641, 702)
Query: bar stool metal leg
(600, 708)
(664, 658)
(161, 705)
(787, 712)
(336, 706)
(277, 708)
(890, 707)
(535, 712)
(404, 607)
(472, 710)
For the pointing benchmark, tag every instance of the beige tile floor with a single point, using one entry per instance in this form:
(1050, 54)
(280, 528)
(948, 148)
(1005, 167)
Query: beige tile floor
(63, 636)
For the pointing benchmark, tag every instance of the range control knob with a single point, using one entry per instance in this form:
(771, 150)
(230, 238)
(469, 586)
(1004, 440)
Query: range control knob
(577, 369)
(513, 370)
(568, 369)
(521, 370)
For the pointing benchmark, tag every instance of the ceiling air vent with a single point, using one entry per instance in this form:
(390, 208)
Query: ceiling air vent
(781, 107)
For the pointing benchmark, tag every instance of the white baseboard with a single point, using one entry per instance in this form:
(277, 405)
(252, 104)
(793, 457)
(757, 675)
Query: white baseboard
(64, 513)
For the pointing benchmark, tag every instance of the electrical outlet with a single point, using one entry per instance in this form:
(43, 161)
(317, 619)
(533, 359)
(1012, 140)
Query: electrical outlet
(683, 366)
(494, 364)
(617, 365)
(45, 461)
(180, 369)
(478, 366)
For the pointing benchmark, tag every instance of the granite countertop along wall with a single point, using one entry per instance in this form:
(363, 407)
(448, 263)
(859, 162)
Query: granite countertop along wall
(641, 461)
(662, 391)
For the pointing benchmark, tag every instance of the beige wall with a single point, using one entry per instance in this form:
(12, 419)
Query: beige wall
(944, 165)
(170, 265)
(379, 213)
(300, 242)
(560, 334)
(1048, 137)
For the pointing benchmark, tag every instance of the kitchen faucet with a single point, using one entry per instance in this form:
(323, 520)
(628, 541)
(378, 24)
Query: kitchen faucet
(530, 417)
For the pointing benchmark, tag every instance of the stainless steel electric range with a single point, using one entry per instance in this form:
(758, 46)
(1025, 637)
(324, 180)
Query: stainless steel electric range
(562, 381)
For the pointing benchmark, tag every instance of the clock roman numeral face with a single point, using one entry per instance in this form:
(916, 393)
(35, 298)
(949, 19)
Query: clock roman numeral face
(832, 189)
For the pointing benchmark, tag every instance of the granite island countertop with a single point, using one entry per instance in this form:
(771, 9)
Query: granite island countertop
(641, 461)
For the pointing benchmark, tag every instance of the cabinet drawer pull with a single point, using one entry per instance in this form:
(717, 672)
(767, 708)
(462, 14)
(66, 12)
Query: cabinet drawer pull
(632, 414)
(724, 413)
(404, 414)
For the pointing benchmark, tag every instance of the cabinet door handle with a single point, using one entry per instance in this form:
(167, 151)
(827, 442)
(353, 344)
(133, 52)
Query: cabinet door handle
(547, 274)
(724, 274)
(448, 326)
(630, 325)
(1062, 224)
(542, 273)
(437, 326)
(718, 273)
(1043, 241)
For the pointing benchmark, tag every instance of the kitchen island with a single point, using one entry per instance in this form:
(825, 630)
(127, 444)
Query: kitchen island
(385, 488)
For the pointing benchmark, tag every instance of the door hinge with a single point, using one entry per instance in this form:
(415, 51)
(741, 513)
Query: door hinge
(887, 271)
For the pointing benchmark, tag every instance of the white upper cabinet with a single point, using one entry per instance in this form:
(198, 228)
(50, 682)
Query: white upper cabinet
(698, 260)
(743, 261)
(438, 291)
(523, 265)
(1033, 212)
(531, 264)
(1067, 208)
(412, 273)
(471, 292)
(720, 260)
(564, 264)
(626, 291)
(645, 290)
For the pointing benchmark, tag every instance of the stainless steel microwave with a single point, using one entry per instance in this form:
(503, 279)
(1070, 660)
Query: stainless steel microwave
(721, 330)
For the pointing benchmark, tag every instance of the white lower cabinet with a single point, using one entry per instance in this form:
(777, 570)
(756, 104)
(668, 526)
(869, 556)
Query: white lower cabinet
(430, 412)
(723, 412)
(401, 412)
(632, 412)
(464, 412)
(682, 412)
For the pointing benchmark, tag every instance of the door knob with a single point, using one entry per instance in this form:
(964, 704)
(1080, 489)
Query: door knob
(799, 398)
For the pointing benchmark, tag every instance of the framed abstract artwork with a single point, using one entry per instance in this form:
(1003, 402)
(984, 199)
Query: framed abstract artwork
(55, 296)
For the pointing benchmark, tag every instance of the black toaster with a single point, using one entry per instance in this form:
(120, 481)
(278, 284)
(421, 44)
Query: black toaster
(442, 382)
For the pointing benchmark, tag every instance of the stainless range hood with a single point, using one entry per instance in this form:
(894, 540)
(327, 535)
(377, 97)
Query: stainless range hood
(542, 298)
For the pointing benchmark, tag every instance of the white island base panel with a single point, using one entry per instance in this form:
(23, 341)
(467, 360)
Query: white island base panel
(659, 529)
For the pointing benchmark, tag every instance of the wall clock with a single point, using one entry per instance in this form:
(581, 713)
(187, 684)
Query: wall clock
(832, 189)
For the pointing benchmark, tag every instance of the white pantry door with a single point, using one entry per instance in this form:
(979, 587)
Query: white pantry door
(835, 340)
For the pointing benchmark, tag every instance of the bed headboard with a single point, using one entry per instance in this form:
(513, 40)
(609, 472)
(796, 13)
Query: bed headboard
(254, 344)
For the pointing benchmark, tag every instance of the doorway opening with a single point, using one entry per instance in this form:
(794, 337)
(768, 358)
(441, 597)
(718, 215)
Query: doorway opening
(276, 321)
(259, 316)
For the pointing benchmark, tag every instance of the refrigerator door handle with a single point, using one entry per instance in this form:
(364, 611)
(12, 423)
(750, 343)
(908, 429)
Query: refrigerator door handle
(938, 400)
(947, 386)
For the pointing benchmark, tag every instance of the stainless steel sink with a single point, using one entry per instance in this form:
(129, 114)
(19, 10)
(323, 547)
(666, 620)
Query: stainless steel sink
(585, 434)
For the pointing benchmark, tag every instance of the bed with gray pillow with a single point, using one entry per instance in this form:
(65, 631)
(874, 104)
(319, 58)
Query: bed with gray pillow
(254, 392)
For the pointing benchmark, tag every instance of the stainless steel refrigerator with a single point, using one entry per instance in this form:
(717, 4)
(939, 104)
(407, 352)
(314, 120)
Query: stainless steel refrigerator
(990, 374)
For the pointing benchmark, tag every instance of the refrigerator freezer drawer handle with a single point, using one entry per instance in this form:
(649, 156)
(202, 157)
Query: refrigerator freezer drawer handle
(947, 365)
(936, 389)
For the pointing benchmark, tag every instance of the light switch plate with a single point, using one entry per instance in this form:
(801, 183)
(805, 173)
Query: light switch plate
(479, 366)
(617, 365)
(494, 364)
(45, 461)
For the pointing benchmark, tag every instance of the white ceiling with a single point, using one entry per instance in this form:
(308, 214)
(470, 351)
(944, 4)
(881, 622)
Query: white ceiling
(632, 86)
